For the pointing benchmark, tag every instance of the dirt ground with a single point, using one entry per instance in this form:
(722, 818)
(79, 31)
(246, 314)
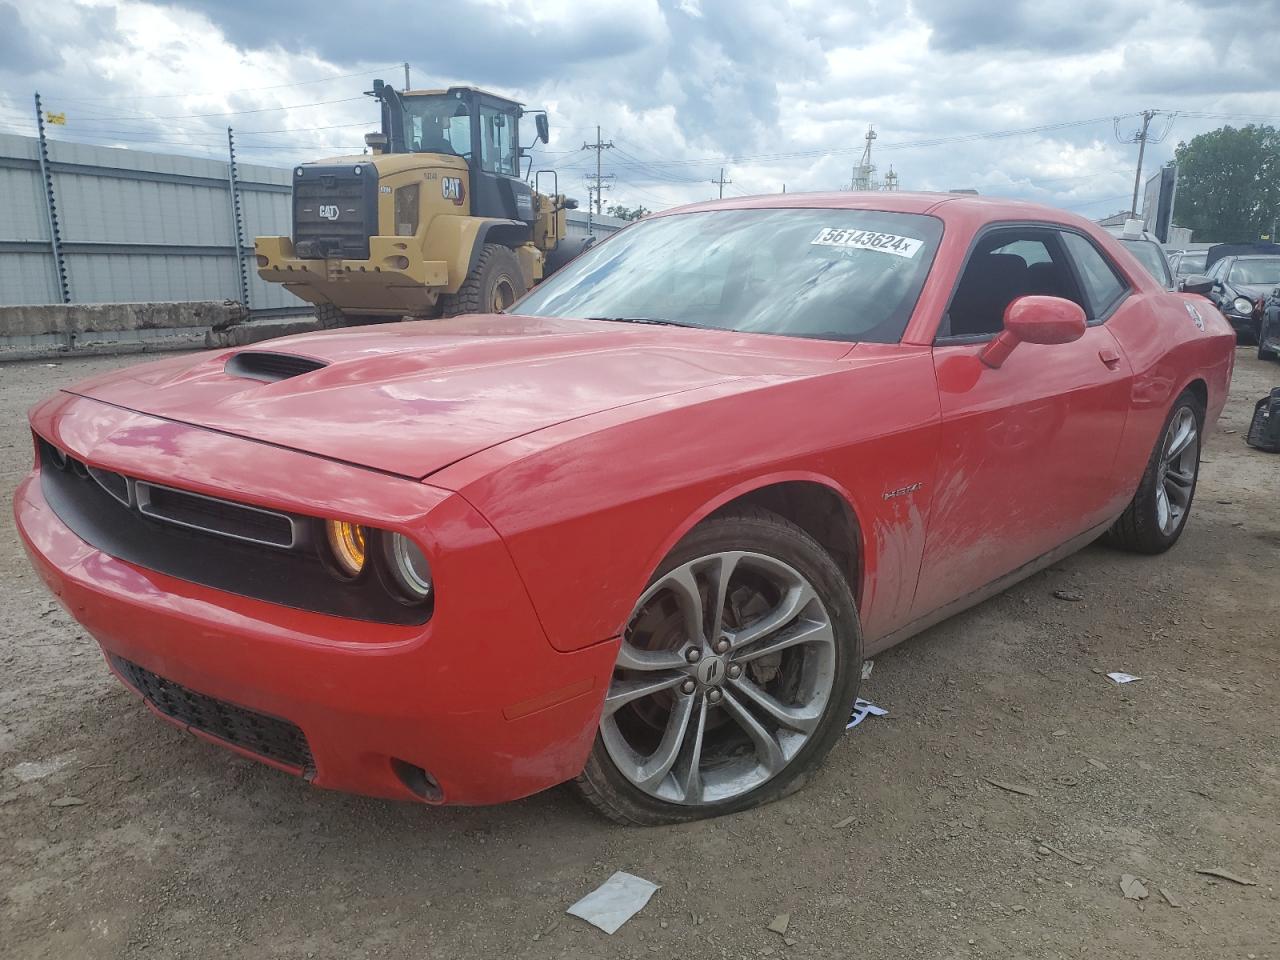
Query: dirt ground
(901, 847)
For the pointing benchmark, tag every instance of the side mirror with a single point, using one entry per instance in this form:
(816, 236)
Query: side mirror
(1197, 283)
(377, 142)
(1035, 320)
(543, 127)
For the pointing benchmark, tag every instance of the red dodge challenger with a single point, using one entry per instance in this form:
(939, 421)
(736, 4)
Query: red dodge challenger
(640, 531)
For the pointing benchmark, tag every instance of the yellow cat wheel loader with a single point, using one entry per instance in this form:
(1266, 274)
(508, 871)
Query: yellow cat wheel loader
(436, 222)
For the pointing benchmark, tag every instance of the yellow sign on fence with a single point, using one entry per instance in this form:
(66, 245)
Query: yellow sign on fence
(58, 118)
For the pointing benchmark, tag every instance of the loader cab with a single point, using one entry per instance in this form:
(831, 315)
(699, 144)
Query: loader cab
(481, 128)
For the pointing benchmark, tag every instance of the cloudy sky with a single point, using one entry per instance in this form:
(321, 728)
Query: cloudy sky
(1012, 98)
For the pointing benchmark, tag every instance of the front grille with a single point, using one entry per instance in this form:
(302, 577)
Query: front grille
(270, 367)
(269, 737)
(335, 211)
(211, 541)
(221, 517)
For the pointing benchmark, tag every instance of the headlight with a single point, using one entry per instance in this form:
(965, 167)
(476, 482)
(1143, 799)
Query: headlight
(1242, 306)
(407, 564)
(347, 543)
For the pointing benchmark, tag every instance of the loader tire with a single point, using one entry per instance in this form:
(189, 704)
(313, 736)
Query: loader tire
(330, 317)
(493, 284)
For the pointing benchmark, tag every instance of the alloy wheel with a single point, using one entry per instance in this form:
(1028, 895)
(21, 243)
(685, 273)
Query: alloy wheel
(725, 672)
(1179, 460)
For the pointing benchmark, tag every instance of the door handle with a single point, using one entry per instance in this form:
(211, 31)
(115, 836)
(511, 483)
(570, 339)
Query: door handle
(1109, 357)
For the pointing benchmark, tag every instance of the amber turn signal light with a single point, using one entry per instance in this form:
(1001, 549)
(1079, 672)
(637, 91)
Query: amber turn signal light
(347, 541)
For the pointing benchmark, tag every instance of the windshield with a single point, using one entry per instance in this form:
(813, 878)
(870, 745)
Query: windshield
(1190, 264)
(437, 124)
(1262, 270)
(826, 274)
(1151, 258)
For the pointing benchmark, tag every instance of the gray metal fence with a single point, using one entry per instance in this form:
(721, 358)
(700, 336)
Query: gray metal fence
(142, 227)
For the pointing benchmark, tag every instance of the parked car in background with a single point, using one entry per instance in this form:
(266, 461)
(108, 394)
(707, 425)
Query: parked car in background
(640, 530)
(1187, 263)
(1150, 252)
(1240, 284)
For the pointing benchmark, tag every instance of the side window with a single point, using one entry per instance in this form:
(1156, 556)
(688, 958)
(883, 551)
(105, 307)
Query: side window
(1004, 265)
(1103, 287)
(497, 144)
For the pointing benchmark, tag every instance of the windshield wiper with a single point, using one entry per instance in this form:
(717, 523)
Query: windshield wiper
(657, 321)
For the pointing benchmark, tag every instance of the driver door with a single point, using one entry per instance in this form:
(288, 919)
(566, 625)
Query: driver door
(1027, 450)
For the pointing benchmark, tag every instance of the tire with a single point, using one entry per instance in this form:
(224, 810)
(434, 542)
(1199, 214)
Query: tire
(815, 680)
(1147, 525)
(331, 317)
(493, 284)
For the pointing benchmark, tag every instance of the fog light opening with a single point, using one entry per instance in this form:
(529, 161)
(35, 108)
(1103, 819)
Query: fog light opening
(420, 783)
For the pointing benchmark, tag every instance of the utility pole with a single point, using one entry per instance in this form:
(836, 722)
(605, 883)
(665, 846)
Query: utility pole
(406, 75)
(599, 146)
(1147, 116)
(596, 185)
(1142, 138)
(51, 209)
(721, 182)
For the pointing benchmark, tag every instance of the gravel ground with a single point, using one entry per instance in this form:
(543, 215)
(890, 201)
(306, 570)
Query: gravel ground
(901, 847)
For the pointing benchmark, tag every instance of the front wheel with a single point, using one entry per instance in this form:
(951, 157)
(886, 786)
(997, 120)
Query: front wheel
(494, 283)
(1155, 518)
(736, 675)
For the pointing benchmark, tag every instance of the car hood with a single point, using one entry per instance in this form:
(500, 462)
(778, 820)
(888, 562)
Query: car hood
(412, 398)
(1253, 290)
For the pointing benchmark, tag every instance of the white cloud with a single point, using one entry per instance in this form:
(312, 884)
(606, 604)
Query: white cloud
(756, 87)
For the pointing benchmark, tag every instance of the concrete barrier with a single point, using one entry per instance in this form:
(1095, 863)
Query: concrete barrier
(39, 332)
(86, 319)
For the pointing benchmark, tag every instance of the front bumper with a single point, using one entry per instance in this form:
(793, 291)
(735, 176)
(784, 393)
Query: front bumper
(1248, 326)
(477, 697)
(393, 281)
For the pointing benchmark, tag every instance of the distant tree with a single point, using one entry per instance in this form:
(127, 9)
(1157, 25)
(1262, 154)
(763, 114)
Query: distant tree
(626, 213)
(1229, 183)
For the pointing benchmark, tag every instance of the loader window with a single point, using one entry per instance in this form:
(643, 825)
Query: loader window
(497, 142)
(437, 125)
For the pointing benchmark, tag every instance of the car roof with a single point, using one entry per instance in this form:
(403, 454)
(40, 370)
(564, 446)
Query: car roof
(948, 206)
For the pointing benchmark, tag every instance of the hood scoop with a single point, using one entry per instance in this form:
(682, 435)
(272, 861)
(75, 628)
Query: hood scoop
(270, 367)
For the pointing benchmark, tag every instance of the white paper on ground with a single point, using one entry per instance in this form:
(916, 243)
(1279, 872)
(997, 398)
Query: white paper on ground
(614, 902)
(1122, 677)
(867, 667)
(861, 709)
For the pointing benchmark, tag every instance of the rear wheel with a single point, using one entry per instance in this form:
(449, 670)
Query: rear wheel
(736, 675)
(494, 283)
(1155, 518)
(330, 317)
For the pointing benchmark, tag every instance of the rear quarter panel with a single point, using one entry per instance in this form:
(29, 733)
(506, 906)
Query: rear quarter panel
(590, 508)
(1168, 351)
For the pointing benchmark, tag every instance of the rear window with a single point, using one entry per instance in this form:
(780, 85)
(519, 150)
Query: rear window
(825, 274)
(1150, 256)
(1102, 284)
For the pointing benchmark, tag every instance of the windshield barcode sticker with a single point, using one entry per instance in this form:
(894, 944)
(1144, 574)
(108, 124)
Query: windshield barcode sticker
(868, 240)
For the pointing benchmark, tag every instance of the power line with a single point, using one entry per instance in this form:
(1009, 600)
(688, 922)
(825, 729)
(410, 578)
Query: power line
(221, 93)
